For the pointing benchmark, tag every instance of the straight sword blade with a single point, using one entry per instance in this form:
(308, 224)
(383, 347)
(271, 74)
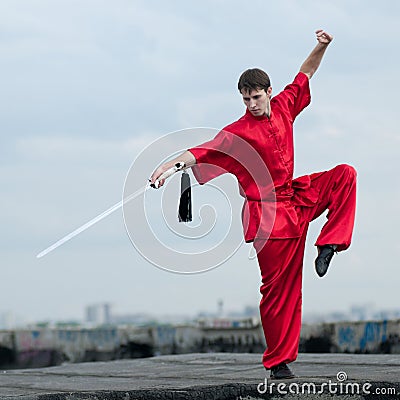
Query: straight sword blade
(93, 221)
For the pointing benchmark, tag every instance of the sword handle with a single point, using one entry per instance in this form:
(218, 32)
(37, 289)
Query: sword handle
(177, 167)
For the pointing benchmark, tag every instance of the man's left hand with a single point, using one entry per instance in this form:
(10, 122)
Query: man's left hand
(323, 37)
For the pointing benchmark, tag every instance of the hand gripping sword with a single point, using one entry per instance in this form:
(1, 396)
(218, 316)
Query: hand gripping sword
(177, 167)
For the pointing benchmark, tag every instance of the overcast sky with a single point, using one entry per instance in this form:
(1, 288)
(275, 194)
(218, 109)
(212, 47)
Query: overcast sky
(85, 86)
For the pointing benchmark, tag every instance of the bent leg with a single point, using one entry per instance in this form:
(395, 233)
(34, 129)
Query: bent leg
(281, 265)
(337, 193)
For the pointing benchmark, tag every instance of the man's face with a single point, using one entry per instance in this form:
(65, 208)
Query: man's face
(257, 101)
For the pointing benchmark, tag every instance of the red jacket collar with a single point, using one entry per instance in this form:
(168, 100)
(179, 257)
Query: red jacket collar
(260, 118)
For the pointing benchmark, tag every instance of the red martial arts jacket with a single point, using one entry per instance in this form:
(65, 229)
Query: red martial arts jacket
(269, 208)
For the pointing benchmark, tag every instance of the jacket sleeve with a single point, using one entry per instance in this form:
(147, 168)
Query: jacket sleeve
(296, 96)
(212, 158)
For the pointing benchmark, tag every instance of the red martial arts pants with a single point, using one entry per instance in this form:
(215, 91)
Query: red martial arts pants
(281, 262)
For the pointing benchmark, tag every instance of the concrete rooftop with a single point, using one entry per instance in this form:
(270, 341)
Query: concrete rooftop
(206, 376)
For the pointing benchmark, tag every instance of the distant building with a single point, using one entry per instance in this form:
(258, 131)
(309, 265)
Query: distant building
(98, 314)
(7, 320)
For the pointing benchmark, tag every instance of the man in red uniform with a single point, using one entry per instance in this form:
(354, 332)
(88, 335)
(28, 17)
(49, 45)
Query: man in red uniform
(267, 127)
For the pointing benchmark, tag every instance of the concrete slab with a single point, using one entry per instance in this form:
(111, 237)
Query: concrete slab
(208, 376)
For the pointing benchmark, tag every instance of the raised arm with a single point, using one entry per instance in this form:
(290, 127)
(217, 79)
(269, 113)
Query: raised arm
(311, 64)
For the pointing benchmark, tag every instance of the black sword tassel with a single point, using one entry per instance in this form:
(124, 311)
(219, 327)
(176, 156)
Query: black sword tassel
(185, 202)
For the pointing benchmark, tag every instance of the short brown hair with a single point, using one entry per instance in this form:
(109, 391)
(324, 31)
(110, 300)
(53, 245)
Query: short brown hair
(253, 79)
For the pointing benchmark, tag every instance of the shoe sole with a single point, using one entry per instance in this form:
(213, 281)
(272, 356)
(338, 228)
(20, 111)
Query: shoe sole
(284, 377)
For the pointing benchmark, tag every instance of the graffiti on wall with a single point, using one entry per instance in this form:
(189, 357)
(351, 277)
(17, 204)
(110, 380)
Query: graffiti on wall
(362, 337)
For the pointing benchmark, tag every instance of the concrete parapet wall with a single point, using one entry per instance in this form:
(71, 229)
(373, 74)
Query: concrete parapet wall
(352, 337)
(45, 347)
(368, 337)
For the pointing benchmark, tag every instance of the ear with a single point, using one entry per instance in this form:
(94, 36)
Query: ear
(269, 91)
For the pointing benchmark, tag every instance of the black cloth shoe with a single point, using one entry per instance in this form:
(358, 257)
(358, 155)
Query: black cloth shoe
(324, 258)
(281, 371)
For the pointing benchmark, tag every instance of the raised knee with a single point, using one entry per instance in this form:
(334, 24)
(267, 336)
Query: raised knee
(347, 170)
